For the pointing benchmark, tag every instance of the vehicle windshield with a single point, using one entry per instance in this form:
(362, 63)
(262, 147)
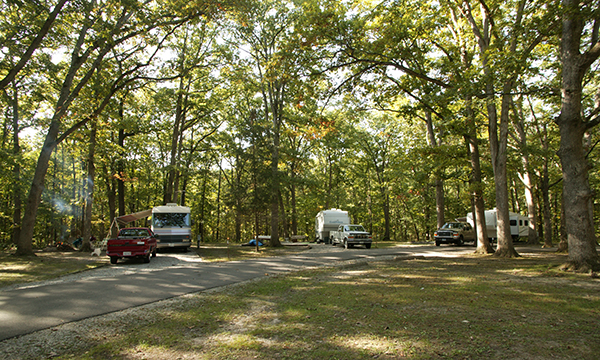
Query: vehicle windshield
(161, 220)
(134, 232)
(356, 228)
(452, 226)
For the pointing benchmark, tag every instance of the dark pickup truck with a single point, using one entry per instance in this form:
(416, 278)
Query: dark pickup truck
(136, 242)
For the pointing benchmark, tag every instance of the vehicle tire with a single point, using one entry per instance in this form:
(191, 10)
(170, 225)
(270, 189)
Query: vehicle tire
(437, 243)
(147, 259)
(460, 241)
(113, 259)
(154, 253)
(368, 246)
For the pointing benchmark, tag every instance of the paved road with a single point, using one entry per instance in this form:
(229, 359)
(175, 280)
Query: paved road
(25, 310)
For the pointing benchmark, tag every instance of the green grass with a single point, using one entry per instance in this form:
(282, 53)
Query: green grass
(44, 266)
(233, 252)
(467, 308)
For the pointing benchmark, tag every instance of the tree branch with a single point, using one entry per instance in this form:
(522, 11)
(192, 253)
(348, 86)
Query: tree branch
(34, 45)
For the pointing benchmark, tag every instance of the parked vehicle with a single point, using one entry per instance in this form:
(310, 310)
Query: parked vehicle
(137, 242)
(454, 233)
(173, 224)
(519, 224)
(350, 235)
(327, 221)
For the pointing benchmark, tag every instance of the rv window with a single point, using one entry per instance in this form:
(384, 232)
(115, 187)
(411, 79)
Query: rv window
(526, 222)
(520, 222)
(513, 223)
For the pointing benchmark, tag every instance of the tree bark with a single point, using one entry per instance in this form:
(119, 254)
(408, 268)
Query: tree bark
(476, 185)
(498, 146)
(170, 191)
(440, 206)
(576, 189)
(498, 135)
(121, 169)
(17, 192)
(25, 244)
(89, 191)
(545, 189)
(519, 125)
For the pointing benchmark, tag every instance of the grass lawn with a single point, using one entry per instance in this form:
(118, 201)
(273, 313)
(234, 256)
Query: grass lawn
(44, 266)
(472, 307)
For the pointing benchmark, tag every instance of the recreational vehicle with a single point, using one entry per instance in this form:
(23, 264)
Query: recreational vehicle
(172, 224)
(519, 224)
(329, 220)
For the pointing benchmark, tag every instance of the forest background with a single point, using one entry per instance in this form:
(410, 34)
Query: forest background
(259, 114)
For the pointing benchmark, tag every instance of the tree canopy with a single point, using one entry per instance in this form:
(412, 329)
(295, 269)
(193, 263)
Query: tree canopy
(259, 114)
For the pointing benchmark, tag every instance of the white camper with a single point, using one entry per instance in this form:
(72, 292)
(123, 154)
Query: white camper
(329, 220)
(519, 224)
(172, 223)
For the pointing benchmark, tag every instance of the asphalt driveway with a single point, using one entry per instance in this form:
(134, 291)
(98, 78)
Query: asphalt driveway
(26, 310)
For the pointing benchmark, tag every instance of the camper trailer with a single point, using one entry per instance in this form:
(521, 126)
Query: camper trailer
(329, 220)
(519, 224)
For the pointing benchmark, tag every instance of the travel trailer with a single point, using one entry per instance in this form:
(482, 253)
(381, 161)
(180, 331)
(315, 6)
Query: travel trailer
(519, 224)
(329, 220)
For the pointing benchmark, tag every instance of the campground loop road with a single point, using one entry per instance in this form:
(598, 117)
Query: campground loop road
(28, 309)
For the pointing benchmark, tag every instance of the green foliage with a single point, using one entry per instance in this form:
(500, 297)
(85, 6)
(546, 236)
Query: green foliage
(347, 88)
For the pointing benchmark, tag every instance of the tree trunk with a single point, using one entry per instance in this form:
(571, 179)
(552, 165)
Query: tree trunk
(498, 146)
(532, 239)
(170, 195)
(284, 220)
(439, 183)
(121, 171)
(563, 242)
(293, 209)
(498, 135)
(545, 188)
(274, 104)
(275, 190)
(89, 191)
(476, 185)
(25, 244)
(329, 181)
(218, 228)
(519, 125)
(386, 215)
(576, 189)
(17, 192)
(111, 198)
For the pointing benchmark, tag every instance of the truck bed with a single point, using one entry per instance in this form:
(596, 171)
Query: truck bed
(139, 242)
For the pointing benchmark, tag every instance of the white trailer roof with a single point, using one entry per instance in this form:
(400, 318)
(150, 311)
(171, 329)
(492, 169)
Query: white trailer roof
(170, 209)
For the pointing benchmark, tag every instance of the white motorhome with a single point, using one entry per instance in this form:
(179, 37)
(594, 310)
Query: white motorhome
(329, 220)
(172, 224)
(519, 224)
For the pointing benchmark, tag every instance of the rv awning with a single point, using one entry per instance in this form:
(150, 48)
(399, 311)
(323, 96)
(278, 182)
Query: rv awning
(133, 217)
